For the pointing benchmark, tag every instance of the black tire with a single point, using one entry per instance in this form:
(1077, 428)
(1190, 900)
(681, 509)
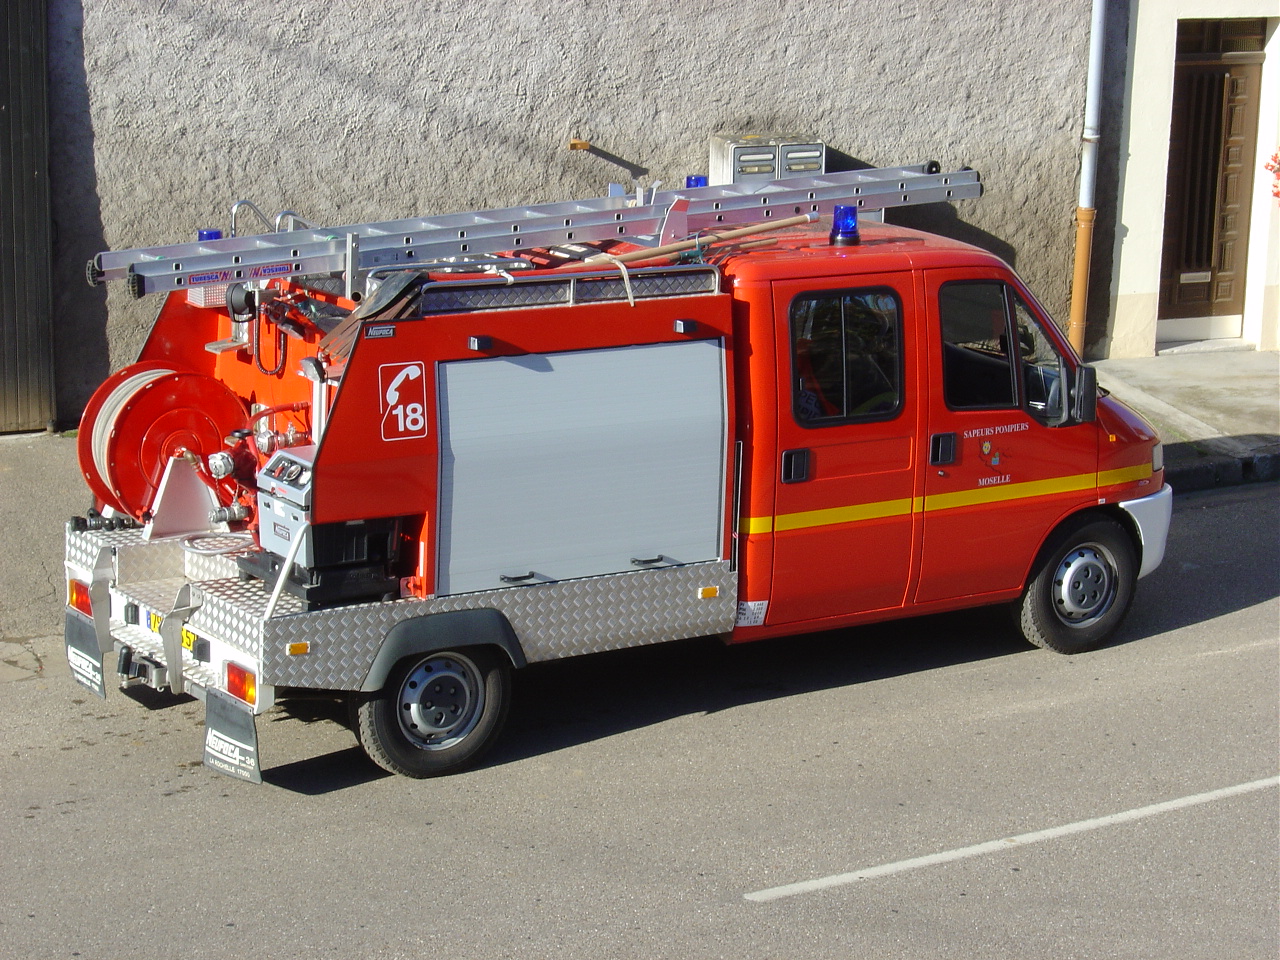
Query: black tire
(437, 713)
(1081, 589)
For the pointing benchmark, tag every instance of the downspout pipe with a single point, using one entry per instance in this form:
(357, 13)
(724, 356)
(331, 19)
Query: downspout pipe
(1085, 210)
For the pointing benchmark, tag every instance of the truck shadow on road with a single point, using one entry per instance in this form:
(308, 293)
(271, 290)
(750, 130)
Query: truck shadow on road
(566, 703)
(575, 701)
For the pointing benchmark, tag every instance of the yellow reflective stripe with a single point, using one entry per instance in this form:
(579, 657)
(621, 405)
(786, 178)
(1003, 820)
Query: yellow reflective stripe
(1109, 478)
(997, 493)
(943, 501)
(831, 516)
(1010, 491)
(850, 514)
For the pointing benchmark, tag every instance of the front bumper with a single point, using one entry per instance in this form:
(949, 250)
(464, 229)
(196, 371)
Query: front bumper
(1151, 515)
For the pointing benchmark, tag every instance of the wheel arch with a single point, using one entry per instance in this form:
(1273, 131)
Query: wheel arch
(1107, 511)
(1083, 583)
(443, 631)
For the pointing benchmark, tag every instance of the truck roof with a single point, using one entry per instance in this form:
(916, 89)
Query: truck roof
(806, 251)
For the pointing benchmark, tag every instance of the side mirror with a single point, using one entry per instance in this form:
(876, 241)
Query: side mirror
(1084, 395)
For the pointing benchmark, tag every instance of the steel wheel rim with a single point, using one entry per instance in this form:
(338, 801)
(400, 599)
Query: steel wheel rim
(1084, 584)
(440, 701)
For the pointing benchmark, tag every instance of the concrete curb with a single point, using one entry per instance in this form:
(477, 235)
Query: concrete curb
(1188, 469)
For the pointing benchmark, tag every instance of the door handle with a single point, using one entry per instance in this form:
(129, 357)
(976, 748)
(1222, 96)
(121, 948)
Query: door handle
(942, 449)
(795, 466)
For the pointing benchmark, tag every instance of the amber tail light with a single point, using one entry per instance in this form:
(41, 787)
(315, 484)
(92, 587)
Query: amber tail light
(242, 683)
(78, 597)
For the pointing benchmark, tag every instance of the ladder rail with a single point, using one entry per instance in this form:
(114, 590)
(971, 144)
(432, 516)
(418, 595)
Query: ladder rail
(356, 249)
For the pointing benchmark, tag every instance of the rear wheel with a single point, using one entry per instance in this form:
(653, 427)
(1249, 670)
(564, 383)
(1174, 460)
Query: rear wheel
(1079, 594)
(438, 712)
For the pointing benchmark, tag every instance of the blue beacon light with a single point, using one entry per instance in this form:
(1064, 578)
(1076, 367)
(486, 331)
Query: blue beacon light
(844, 227)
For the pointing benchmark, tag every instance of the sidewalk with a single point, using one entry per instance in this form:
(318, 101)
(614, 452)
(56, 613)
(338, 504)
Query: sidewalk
(1218, 412)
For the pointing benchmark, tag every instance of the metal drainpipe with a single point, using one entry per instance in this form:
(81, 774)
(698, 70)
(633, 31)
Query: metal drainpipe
(1085, 212)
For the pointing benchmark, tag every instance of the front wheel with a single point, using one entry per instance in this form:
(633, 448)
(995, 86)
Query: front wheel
(437, 713)
(1080, 592)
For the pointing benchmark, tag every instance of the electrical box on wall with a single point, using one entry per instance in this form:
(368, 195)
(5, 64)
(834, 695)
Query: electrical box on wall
(750, 157)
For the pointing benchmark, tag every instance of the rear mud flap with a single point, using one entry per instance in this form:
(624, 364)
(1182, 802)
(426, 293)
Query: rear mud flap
(83, 655)
(230, 737)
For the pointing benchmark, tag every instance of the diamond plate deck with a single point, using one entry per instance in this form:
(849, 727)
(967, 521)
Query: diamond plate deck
(550, 620)
(463, 297)
(155, 595)
(218, 566)
(134, 560)
(232, 610)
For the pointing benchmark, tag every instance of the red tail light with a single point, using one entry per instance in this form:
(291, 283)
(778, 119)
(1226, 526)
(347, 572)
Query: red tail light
(242, 684)
(78, 597)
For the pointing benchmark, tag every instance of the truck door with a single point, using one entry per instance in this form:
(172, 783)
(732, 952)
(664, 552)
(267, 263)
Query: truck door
(999, 471)
(847, 409)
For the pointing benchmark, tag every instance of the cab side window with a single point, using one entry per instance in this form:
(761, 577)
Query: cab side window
(995, 354)
(976, 370)
(846, 356)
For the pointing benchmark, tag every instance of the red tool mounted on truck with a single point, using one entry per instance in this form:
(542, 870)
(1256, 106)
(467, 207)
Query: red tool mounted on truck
(392, 462)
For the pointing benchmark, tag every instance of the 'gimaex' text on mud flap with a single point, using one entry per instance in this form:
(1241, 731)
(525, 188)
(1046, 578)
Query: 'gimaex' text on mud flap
(230, 737)
(83, 655)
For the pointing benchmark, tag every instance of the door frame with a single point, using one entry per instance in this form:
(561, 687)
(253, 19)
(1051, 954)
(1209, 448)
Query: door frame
(1213, 142)
(1143, 154)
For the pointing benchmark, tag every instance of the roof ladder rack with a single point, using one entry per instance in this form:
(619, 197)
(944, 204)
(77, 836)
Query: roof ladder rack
(354, 250)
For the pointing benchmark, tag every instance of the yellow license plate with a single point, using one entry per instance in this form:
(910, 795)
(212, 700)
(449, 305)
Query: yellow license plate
(188, 638)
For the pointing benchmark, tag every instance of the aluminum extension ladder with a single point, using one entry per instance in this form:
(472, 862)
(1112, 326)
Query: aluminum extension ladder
(647, 218)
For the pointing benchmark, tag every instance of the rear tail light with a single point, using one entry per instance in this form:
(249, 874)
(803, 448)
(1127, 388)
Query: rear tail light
(242, 683)
(78, 597)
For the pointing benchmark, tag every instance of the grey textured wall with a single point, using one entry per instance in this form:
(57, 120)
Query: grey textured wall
(166, 111)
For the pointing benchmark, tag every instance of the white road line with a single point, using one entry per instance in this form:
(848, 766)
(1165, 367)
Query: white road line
(1257, 644)
(994, 846)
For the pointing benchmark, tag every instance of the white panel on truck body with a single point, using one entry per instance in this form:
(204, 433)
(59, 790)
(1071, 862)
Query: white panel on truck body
(567, 465)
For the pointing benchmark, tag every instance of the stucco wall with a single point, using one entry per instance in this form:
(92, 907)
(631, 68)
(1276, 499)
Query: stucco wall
(166, 111)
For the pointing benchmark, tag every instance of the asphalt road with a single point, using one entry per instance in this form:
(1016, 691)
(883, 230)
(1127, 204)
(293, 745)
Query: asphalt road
(648, 803)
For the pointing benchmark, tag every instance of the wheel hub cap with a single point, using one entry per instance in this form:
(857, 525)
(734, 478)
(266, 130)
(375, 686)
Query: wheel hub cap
(1084, 585)
(439, 702)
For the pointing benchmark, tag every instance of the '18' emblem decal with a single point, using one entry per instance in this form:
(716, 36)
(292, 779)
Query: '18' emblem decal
(404, 400)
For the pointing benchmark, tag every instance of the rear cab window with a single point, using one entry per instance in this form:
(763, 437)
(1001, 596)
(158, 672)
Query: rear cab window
(846, 352)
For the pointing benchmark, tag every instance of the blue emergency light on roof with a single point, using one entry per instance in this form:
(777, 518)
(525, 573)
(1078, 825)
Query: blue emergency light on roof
(209, 235)
(844, 226)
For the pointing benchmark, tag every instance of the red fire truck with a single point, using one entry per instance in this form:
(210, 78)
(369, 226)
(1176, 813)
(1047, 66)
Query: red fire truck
(396, 462)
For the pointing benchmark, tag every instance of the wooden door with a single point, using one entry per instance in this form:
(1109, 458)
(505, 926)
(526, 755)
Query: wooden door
(1212, 147)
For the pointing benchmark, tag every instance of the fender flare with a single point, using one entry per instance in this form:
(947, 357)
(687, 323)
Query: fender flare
(443, 631)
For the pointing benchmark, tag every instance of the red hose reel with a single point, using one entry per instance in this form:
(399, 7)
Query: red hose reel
(139, 419)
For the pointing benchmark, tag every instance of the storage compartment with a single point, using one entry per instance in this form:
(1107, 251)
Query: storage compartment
(569, 465)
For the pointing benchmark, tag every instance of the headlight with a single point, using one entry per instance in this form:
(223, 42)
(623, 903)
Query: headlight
(1157, 458)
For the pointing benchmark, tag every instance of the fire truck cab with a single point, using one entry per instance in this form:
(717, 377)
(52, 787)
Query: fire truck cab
(399, 499)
